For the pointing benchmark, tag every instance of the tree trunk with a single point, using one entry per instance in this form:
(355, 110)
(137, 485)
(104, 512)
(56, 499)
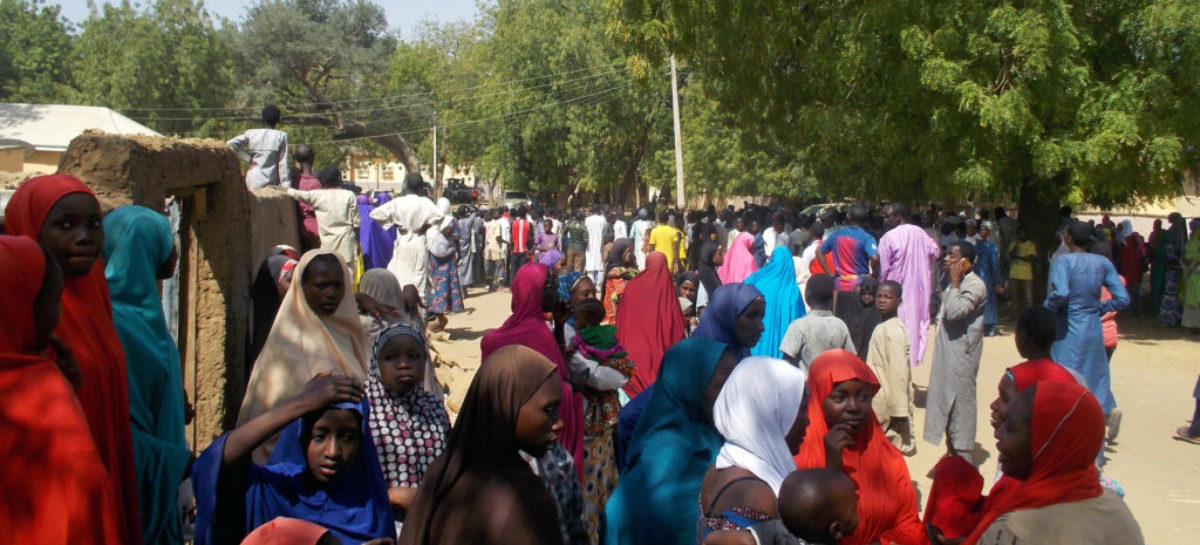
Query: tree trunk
(387, 138)
(630, 178)
(1038, 202)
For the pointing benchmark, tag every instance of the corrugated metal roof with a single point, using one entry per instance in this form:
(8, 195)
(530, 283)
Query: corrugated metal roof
(51, 127)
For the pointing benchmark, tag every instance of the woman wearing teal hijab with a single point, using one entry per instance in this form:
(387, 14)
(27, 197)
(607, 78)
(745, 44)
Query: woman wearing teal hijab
(777, 282)
(139, 249)
(675, 441)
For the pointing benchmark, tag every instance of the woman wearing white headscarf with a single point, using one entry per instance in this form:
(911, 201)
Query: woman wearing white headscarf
(446, 295)
(761, 414)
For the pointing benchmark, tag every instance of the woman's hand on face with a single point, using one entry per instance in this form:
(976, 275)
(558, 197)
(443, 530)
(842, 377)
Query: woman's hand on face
(371, 307)
(836, 439)
(326, 389)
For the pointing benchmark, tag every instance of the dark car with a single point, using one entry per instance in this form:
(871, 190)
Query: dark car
(458, 192)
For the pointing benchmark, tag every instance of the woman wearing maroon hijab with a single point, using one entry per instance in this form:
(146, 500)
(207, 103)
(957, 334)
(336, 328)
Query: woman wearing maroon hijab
(533, 289)
(64, 217)
(649, 321)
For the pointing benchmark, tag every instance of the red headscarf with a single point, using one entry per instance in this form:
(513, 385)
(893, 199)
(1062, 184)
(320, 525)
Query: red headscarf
(887, 502)
(955, 497)
(286, 531)
(1024, 375)
(649, 321)
(87, 329)
(56, 490)
(527, 327)
(1066, 432)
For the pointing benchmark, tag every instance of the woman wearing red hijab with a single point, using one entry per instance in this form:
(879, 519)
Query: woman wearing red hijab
(63, 216)
(56, 490)
(845, 435)
(1049, 441)
(649, 321)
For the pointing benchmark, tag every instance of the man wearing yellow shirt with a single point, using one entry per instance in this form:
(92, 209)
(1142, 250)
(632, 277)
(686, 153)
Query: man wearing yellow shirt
(1021, 253)
(669, 240)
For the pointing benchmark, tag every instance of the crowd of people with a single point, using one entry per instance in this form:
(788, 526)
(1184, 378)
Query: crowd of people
(710, 377)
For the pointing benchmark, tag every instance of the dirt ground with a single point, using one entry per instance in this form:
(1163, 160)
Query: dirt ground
(1154, 371)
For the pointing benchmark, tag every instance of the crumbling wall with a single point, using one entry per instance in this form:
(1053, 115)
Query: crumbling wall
(274, 222)
(215, 246)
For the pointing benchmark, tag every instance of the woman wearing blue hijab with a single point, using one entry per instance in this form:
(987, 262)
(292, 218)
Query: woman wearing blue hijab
(139, 249)
(675, 441)
(777, 282)
(323, 470)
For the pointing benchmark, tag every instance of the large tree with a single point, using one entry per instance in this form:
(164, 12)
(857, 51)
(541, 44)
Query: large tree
(328, 60)
(155, 63)
(1041, 102)
(35, 52)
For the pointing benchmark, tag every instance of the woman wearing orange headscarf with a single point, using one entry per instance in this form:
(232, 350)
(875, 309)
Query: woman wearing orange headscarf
(1049, 441)
(63, 215)
(56, 490)
(649, 321)
(844, 434)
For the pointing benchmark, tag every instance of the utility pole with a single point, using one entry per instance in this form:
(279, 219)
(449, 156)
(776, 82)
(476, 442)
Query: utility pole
(678, 137)
(437, 187)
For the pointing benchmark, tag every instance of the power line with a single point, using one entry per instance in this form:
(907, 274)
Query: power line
(304, 105)
(306, 115)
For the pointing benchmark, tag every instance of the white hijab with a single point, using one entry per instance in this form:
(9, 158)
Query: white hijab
(754, 411)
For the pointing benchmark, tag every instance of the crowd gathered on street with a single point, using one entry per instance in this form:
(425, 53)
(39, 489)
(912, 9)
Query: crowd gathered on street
(732, 375)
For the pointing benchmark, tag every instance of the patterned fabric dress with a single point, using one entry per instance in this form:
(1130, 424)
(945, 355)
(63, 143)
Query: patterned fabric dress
(446, 295)
(613, 289)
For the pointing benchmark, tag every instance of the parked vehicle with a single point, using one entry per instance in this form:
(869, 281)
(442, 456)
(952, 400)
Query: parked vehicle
(458, 192)
(513, 198)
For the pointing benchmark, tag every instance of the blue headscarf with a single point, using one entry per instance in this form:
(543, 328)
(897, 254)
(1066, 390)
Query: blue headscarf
(777, 283)
(724, 307)
(137, 242)
(355, 508)
(655, 499)
(566, 281)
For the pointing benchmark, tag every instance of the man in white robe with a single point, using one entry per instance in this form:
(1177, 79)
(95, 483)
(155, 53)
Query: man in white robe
(638, 233)
(593, 259)
(412, 214)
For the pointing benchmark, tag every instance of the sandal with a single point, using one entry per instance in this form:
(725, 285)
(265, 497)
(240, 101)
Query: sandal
(1181, 433)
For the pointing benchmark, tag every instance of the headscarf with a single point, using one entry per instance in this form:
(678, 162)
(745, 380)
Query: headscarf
(527, 327)
(707, 269)
(264, 302)
(1177, 232)
(649, 321)
(137, 242)
(777, 282)
(754, 412)
(1124, 229)
(287, 531)
(955, 497)
(887, 504)
(1066, 433)
(739, 260)
(303, 344)
(717, 323)
(354, 507)
(87, 328)
(56, 489)
(382, 286)
(484, 442)
(672, 446)
(688, 276)
(616, 253)
(409, 430)
(550, 258)
(860, 320)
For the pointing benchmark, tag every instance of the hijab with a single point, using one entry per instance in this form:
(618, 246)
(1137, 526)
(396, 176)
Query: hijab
(566, 283)
(354, 507)
(1177, 232)
(303, 344)
(1066, 433)
(484, 441)
(287, 531)
(86, 327)
(616, 253)
(708, 270)
(739, 261)
(56, 488)
(754, 412)
(382, 286)
(689, 276)
(1124, 229)
(860, 320)
(410, 429)
(717, 323)
(264, 302)
(550, 258)
(137, 242)
(649, 321)
(672, 446)
(777, 282)
(527, 327)
(887, 504)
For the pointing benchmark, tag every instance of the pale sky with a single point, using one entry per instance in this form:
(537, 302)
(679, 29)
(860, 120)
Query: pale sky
(401, 14)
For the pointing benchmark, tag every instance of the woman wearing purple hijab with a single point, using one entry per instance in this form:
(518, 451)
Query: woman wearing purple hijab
(375, 241)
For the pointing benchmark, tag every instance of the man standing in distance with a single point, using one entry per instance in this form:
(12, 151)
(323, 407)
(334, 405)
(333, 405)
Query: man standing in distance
(854, 250)
(906, 256)
(412, 214)
(266, 150)
(593, 260)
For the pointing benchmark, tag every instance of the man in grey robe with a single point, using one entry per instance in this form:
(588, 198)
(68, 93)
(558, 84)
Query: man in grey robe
(951, 402)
